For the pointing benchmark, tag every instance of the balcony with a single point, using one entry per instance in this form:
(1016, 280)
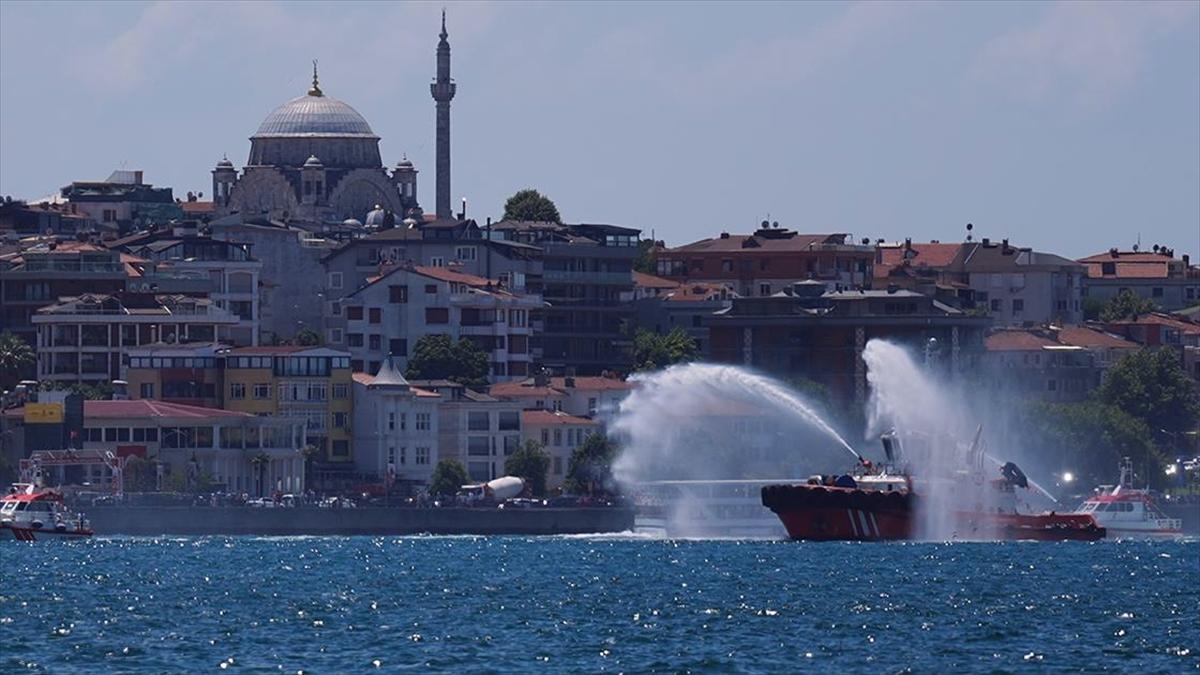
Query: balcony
(576, 276)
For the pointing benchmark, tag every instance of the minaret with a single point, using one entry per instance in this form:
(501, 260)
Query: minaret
(443, 91)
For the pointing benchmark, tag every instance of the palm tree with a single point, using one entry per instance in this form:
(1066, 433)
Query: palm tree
(260, 462)
(15, 354)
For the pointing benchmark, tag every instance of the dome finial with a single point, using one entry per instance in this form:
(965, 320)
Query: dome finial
(444, 34)
(316, 89)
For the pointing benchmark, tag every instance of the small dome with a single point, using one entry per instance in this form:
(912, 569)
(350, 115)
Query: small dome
(376, 216)
(352, 222)
(404, 165)
(410, 222)
(309, 116)
(313, 163)
(224, 163)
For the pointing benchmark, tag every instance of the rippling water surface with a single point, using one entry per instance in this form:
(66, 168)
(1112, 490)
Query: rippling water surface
(588, 604)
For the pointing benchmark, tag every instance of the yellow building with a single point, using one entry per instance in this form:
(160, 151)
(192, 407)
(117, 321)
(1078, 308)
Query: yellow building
(309, 383)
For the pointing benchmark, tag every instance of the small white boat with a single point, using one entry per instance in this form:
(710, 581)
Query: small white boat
(29, 513)
(1127, 512)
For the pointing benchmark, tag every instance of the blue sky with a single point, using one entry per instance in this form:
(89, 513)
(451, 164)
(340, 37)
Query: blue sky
(1071, 127)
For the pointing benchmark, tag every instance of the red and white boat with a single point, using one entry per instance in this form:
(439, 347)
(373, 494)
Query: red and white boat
(871, 504)
(1128, 512)
(29, 513)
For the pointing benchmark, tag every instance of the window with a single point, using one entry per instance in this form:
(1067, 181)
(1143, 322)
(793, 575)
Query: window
(558, 437)
(1108, 268)
(437, 261)
(478, 421)
(465, 252)
(996, 305)
(478, 446)
(391, 421)
(237, 391)
(398, 347)
(422, 455)
(354, 340)
(591, 406)
(764, 289)
(123, 435)
(545, 437)
(335, 280)
(341, 448)
(403, 421)
(422, 423)
(726, 265)
(397, 294)
(341, 391)
(558, 466)
(509, 420)
(374, 342)
(354, 313)
(375, 315)
(356, 365)
(110, 215)
(437, 315)
(697, 321)
(147, 390)
(403, 455)
(1018, 305)
(431, 288)
(335, 336)
(262, 391)
(1156, 292)
(340, 420)
(373, 366)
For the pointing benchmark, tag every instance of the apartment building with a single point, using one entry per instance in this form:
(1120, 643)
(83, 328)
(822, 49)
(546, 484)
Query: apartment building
(395, 429)
(559, 434)
(478, 430)
(392, 311)
(1156, 275)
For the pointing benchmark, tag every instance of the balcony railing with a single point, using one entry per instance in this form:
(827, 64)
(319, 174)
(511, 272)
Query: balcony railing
(584, 276)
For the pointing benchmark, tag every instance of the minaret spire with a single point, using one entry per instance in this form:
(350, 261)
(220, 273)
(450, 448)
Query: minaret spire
(443, 89)
(316, 88)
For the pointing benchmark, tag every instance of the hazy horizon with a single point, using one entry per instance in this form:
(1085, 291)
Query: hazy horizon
(1069, 127)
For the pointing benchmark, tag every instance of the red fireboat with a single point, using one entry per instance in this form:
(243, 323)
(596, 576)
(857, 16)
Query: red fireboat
(29, 513)
(881, 503)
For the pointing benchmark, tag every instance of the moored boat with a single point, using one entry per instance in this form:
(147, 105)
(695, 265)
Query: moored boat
(29, 513)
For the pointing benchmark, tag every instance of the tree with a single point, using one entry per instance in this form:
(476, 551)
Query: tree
(1092, 308)
(1090, 438)
(531, 205)
(448, 477)
(139, 475)
(530, 463)
(308, 337)
(1126, 305)
(1151, 385)
(15, 356)
(652, 351)
(590, 468)
(101, 391)
(646, 261)
(437, 357)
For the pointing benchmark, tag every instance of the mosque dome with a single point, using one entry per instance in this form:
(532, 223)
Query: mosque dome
(376, 217)
(313, 163)
(314, 116)
(225, 163)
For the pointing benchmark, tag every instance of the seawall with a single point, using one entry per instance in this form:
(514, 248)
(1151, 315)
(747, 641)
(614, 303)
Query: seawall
(201, 520)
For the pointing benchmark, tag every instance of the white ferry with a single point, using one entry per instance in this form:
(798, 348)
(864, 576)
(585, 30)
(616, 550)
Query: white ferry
(1128, 512)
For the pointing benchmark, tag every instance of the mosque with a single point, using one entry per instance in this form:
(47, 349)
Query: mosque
(316, 160)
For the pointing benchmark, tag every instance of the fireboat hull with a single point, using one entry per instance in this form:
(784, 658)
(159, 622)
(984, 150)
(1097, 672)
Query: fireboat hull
(823, 513)
(20, 533)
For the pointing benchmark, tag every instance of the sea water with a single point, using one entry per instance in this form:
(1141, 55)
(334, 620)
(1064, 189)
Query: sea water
(594, 604)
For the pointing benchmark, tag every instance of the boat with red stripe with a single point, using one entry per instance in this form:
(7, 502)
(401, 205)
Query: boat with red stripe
(30, 513)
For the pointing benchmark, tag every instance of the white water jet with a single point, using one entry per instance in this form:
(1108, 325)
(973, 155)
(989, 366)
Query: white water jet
(717, 422)
(935, 425)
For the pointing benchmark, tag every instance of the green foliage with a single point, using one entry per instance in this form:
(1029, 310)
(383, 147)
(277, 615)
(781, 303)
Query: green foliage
(1151, 385)
(101, 391)
(308, 337)
(139, 475)
(646, 261)
(530, 463)
(652, 351)
(437, 357)
(15, 356)
(532, 205)
(1092, 307)
(1090, 438)
(1126, 305)
(448, 477)
(590, 468)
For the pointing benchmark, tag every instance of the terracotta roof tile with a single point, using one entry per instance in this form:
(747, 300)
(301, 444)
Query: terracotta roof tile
(1081, 336)
(1017, 340)
(651, 281)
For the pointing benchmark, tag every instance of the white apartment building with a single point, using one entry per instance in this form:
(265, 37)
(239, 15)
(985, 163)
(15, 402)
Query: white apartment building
(476, 429)
(392, 311)
(395, 427)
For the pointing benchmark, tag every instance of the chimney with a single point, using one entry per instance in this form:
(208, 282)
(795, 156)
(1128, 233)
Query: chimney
(892, 288)
(724, 235)
(908, 243)
(569, 382)
(137, 177)
(986, 241)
